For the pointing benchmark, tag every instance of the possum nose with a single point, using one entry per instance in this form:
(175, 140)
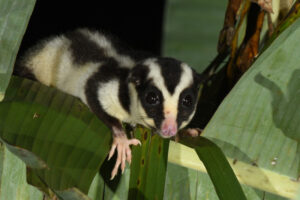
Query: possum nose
(169, 127)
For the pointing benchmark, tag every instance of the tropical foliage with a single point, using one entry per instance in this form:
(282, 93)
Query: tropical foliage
(64, 146)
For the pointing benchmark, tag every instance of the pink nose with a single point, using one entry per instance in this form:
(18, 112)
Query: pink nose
(169, 127)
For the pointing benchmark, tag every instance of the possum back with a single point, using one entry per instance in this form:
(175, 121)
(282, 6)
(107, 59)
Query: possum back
(67, 61)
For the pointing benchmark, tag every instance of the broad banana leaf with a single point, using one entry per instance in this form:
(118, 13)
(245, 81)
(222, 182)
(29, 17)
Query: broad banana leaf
(13, 178)
(258, 122)
(64, 144)
(187, 183)
(298, 196)
(58, 138)
(218, 168)
(14, 16)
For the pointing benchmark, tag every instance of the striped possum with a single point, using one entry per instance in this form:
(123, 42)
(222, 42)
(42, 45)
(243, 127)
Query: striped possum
(117, 84)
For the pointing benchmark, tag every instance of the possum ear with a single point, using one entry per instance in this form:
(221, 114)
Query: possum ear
(134, 79)
(138, 75)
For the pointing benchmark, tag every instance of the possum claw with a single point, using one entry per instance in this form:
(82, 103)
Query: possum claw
(122, 144)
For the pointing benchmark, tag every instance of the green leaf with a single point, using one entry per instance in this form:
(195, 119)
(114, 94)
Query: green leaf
(186, 183)
(149, 166)
(217, 166)
(258, 122)
(298, 196)
(13, 184)
(14, 16)
(102, 190)
(67, 142)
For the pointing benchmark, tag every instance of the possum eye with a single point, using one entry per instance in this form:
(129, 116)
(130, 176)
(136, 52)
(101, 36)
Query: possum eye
(152, 98)
(187, 101)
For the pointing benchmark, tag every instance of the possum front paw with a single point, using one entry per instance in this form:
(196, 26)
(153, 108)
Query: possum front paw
(121, 143)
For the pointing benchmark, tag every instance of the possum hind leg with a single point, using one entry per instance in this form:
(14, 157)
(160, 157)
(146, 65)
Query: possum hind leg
(122, 144)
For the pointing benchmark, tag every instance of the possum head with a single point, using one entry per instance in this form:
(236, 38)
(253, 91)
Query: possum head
(166, 94)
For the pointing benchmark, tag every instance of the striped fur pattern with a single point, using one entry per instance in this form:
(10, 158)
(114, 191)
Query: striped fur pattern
(114, 80)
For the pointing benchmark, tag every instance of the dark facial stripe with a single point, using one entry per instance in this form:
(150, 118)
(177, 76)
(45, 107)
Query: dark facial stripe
(185, 112)
(84, 49)
(143, 86)
(108, 71)
(153, 111)
(171, 72)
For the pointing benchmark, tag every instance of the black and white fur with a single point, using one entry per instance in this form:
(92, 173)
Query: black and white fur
(118, 84)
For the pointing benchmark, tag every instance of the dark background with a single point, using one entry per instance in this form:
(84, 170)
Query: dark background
(137, 23)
